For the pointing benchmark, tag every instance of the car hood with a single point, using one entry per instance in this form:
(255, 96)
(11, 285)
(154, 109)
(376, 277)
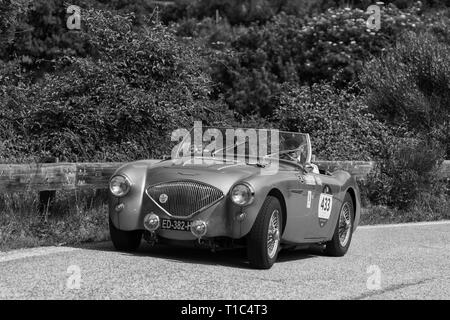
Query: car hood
(222, 175)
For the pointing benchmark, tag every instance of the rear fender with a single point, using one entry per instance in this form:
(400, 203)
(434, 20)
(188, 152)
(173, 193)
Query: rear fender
(352, 188)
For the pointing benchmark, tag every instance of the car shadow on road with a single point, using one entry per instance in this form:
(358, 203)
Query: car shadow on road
(235, 258)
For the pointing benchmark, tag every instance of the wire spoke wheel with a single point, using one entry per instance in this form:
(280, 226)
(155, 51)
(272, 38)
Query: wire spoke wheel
(264, 239)
(342, 236)
(273, 234)
(345, 224)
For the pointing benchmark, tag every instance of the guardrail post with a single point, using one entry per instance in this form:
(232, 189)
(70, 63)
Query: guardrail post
(47, 197)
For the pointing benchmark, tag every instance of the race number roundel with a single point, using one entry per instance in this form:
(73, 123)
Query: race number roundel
(324, 210)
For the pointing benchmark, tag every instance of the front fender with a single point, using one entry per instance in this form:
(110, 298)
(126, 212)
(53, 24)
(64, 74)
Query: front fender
(253, 210)
(129, 218)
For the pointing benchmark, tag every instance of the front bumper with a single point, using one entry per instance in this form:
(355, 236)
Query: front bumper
(222, 218)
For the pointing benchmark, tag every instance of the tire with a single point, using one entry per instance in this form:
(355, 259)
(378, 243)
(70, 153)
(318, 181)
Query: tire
(267, 228)
(127, 241)
(338, 246)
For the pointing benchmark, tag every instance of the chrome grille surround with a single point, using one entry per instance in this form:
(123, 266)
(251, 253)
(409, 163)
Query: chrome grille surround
(185, 198)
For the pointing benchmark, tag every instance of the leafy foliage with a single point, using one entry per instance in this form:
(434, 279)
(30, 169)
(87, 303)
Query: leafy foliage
(328, 47)
(408, 171)
(114, 107)
(411, 85)
(115, 90)
(339, 123)
(38, 34)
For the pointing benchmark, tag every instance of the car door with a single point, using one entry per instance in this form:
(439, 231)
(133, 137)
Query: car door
(299, 204)
(324, 205)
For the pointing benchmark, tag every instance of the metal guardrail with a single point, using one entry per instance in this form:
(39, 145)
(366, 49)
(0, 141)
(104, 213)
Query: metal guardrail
(67, 176)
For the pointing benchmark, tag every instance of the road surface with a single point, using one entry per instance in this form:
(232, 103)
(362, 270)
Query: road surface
(409, 261)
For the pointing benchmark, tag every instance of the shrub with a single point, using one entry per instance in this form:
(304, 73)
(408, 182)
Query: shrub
(407, 175)
(331, 47)
(38, 34)
(340, 126)
(328, 47)
(113, 106)
(410, 84)
(206, 32)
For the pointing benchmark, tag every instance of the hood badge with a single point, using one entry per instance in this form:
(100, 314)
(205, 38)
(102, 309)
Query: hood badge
(163, 198)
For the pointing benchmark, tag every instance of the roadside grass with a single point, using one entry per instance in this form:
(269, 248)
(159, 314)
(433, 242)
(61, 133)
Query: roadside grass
(75, 217)
(425, 208)
(82, 216)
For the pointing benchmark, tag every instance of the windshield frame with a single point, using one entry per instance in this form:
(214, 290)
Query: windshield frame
(265, 157)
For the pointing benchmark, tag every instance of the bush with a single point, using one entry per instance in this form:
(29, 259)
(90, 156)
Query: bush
(111, 107)
(407, 176)
(328, 47)
(410, 84)
(206, 32)
(38, 34)
(340, 126)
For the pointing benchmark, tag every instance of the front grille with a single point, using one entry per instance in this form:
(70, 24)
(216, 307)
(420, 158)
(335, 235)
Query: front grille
(183, 199)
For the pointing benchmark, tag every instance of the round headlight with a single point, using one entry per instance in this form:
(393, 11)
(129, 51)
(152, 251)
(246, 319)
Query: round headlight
(242, 194)
(119, 186)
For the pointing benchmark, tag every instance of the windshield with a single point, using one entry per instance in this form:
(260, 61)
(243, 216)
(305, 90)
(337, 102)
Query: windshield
(251, 145)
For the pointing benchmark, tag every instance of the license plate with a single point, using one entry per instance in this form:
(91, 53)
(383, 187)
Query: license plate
(179, 225)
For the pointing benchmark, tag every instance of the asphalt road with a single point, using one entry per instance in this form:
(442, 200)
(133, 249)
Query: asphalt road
(388, 262)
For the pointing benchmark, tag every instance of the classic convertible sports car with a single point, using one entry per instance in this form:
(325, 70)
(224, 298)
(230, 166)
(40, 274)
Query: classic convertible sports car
(224, 188)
